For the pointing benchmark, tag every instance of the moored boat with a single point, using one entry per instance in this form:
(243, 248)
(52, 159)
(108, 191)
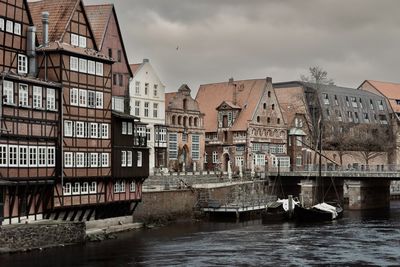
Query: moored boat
(320, 212)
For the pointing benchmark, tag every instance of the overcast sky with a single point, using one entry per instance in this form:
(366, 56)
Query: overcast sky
(353, 40)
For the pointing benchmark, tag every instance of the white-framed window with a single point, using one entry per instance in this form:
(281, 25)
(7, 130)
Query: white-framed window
(23, 156)
(104, 131)
(68, 128)
(130, 128)
(215, 157)
(8, 92)
(85, 188)
(80, 159)
(82, 98)
(137, 108)
(155, 110)
(22, 64)
(74, 97)
(283, 162)
(37, 97)
(155, 90)
(173, 145)
(74, 39)
(91, 67)
(12, 156)
(51, 99)
(99, 68)
(146, 109)
(123, 158)
(259, 159)
(3, 155)
(33, 156)
(139, 159)
(124, 127)
(23, 95)
(132, 186)
(129, 158)
(79, 129)
(17, 28)
(299, 140)
(117, 186)
(1, 24)
(82, 41)
(93, 130)
(51, 156)
(99, 99)
(42, 157)
(148, 134)
(299, 161)
(67, 189)
(76, 188)
(137, 88)
(104, 160)
(82, 65)
(118, 103)
(91, 99)
(68, 159)
(122, 186)
(146, 88)
(93, 188)
(74, 63)
(9, 26)
(195, 147)
(93, 159)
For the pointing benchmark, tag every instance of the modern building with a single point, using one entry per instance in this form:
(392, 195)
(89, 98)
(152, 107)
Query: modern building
(244, 126)
(147, 99)
(185, 124)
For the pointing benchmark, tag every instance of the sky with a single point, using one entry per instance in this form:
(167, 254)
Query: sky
(206, 41)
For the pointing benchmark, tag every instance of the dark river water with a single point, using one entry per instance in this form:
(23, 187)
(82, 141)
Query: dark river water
(356, 239)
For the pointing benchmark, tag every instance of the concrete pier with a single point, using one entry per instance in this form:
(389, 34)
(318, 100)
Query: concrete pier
(369, 194)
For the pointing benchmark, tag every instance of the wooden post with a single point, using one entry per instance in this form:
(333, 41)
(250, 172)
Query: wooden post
(290, 204)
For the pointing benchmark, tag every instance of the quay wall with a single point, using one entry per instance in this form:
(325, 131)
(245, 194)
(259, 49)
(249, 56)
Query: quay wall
(24, 237)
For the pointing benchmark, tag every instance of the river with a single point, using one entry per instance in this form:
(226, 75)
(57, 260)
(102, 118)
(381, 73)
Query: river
(356, 239)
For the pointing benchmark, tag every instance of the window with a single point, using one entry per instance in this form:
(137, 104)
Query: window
(123, 158)
(82, 98)
(139, 158)
(155, 90)
(93, 188)
(104, 131)
(74, 63)
(79, 129)
(380, 104)
(124, 127)
(299, 140)
(366, 117)
(104, 159)
(299, 161)
(8, 92)
(132, 187)
(22, 64)
(51, 156)
(336, 101)
(1, 24)
(137, 88)
(354, 102)
(67, 189)
(74, 39)
(155, 110)
(93, 130)
(121, 79)
(91, 99)
(356, 117)
(214, 157)
(116, 187)
(148, 134)
(17, 28)
(37, 97)
(85, 188)
(122, 186)
(173, 145)
(32, 156)
(146, 88)
(371, 104)
(23, 95)
(76, 188)
(23, 156)
(115, 78)
(9, 26)
(91, 67)
(347, 101)
(129, 158)
(51, 99)
(130, 128)
(361, 104)
(99, 68)
(13, 156)
(259, 159)
(110, 52)
(68, 161)
(146, 109)
(83, 65)
(42, 156)
(283, 162)
(119, 55)
(326, 99)
(99, 100)
(80, 159)
(93, 159)
(195, 147)
(137, 108)
(3, 155)
(82, 41)
(74, 97)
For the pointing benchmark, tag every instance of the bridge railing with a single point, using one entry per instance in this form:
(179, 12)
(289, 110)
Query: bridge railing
(359, 168)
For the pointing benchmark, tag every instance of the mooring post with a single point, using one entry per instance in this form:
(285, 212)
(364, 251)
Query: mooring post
(290, 204)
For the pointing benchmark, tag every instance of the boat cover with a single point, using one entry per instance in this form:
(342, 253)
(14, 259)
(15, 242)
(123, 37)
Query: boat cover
(285, 203)
(328, 208)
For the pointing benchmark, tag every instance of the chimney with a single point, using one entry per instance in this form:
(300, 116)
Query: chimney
(45, 31)
(31, 50)
(269, 80)
(146, 60)
(230, 80)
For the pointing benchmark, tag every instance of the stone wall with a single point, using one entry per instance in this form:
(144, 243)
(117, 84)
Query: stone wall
(21, 237)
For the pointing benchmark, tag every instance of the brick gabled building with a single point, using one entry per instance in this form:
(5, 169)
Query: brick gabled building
(244, 125)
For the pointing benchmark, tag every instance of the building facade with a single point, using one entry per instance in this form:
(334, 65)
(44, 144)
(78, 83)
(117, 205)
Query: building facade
(185, 131)
(147, 98)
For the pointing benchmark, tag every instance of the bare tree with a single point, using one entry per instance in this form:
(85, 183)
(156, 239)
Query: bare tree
(337, 138)
(317, 75)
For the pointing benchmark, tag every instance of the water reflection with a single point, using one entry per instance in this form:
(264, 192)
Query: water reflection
(360, 238)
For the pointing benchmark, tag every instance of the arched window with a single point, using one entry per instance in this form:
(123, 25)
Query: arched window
(196, 122)
(173, 120)
(258, 118)
(190, 121)
(278, 120)
(269, 93)
(265, 106)
(268, 120)
(185, 121)
(184, 104)
(179, 120)
(273, 106)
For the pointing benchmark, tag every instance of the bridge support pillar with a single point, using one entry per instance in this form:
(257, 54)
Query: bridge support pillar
(371, 194)
(308, 192)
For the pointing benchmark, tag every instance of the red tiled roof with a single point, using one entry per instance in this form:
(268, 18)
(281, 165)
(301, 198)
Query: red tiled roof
(390, 90)
(60, 13)
(291, 100)
(248, 94)
(99, 16)
(168, 97)
(57, 46)
(135, 67)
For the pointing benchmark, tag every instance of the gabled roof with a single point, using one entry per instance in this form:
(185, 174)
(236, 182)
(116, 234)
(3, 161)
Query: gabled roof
(292, 101)
(168, 98)
(229, 104)
(135, 67)
(389, 90)
(248, 94)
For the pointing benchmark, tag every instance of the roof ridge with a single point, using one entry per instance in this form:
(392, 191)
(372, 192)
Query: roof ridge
(382, 82)
(256, 79)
